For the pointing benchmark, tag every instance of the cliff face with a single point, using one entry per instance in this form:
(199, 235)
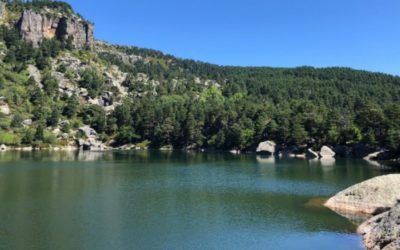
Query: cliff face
(35, 27)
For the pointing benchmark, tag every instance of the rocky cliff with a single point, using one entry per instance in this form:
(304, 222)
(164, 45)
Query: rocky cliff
(35, 27)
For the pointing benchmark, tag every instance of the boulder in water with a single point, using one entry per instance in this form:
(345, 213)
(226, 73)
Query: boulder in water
(326, 152)
(266, 147)
(373, 196)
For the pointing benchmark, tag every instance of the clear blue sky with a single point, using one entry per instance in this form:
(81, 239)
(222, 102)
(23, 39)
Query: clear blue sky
(362, 34)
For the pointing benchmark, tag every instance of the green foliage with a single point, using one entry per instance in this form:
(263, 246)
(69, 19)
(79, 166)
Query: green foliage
(9, 138)
(185, 103)
(93, 81)
(20, 5)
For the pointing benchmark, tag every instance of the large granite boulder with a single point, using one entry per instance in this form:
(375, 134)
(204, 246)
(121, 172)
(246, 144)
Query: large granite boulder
(373, 196)
(266, 147)
(35, 27)
(382, 231)
(326, 152)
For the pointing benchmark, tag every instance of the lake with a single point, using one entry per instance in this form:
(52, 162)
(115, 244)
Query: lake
(172, 200)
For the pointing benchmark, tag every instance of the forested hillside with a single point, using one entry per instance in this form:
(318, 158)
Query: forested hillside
(137, 96)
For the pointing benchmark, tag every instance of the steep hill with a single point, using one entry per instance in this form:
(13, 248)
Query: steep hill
(58, 86)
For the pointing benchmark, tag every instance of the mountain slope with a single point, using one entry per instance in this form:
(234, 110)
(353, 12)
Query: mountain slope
(67, 91)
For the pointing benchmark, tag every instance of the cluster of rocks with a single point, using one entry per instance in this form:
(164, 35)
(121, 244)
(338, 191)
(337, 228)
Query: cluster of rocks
(35, 27)
(91, 143)
(378, 197)
(270, 147)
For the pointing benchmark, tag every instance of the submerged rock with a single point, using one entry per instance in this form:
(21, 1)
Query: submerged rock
(266, 147)
(382, 231)
(373, 196)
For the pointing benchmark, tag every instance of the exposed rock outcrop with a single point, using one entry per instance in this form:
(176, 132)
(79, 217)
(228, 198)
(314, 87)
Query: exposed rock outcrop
(382, 231)
(266, 147)
(27, 122)
(2, 9)
(35, 27)
(80, 33)
(326, 152)
(91, 144)
(373, 196)
(88, 131)
(4, 108)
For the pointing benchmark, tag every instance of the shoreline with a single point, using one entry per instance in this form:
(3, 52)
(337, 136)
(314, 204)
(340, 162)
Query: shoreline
(382, 165)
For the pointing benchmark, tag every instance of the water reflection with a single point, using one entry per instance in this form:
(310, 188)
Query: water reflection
(124, 200)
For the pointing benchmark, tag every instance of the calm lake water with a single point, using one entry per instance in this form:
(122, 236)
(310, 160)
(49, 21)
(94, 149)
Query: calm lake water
(165, 200)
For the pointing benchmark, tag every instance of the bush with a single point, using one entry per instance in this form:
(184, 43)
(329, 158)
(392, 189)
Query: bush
(10, 139)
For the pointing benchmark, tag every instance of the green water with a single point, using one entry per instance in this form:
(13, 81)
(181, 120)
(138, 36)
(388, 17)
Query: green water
(156, 200)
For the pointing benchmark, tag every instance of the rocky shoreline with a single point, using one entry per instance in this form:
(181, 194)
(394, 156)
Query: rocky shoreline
(89, 141)
(379, 199)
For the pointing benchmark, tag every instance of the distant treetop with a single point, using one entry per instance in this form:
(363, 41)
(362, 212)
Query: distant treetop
(21, 5)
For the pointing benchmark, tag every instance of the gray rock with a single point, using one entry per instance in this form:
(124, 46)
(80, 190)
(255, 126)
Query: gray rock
(3, 147)
(81, 33)
(326, 152)
(266, 147)
(64, 123)
(35, 73)
(91, 144)
(2, 9)
(88, 131)
(107, 98)
(27, 122)
(382, 231)
(310, 154)
(35, 27)
(83, 92)
(369, 197)
(5, 109)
